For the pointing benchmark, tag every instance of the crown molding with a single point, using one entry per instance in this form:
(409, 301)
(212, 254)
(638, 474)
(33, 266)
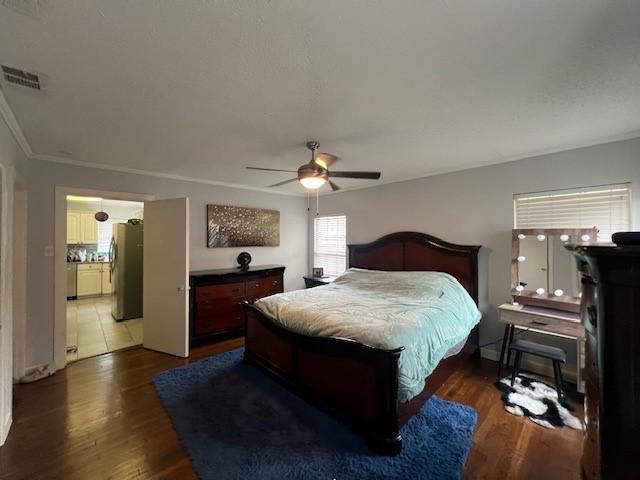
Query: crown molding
(633, 134)
(14, 127)
(149, 173)
(21, 139)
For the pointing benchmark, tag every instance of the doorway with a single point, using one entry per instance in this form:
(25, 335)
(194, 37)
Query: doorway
(104, 288)
(165, 272)
(72, 234)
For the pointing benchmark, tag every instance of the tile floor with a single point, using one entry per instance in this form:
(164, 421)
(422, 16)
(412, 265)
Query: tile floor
(91, 327)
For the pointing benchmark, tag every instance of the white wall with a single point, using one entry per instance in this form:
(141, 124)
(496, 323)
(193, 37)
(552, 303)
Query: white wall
(475, 207)
(13, 163)
(45, 176)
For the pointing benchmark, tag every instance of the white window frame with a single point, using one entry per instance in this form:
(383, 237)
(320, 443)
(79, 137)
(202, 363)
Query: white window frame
(579, 206)
(342, 255)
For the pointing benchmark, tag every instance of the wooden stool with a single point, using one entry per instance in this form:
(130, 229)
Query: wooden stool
(556, 355)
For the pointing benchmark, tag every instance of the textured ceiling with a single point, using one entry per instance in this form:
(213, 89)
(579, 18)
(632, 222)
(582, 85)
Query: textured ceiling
(411, 88)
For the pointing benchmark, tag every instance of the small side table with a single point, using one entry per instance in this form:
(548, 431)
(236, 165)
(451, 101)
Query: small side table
(310, 282)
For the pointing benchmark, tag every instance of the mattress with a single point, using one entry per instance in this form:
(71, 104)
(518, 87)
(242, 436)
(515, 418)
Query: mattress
(428, 313)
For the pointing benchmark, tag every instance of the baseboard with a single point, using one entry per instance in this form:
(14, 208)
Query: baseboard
(4, 431)
(534, 365)
(37, 372)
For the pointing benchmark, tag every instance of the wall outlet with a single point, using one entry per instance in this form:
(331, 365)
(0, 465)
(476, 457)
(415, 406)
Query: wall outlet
(48, 251)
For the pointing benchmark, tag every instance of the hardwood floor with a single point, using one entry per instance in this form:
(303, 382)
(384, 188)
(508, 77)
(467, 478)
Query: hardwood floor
(101, 418)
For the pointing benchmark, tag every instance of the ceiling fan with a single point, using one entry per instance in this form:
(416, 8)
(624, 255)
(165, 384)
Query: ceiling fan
(316, 173)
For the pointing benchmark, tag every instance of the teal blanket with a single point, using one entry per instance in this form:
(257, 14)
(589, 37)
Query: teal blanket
(427, 313)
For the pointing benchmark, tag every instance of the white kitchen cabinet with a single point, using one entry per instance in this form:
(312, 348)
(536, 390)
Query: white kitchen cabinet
(89, 280)
(89, 228)
(93, 279)
(82, 227)
(73, 227)
(106, 279)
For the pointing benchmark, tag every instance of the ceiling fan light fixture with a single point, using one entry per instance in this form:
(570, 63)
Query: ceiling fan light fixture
(313, 183)
(315, 174)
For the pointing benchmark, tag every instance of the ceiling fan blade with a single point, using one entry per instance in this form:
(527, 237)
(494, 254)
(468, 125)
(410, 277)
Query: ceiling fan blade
(326, 159)
(334, 187)
(367, 175)
(283, 183)
(271, 169)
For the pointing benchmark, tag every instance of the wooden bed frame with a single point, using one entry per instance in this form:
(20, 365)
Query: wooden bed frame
(354, 382)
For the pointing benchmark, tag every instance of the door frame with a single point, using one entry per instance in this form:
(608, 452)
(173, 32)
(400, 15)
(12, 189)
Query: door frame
(19, 274)
(6, 335)
(60, 261)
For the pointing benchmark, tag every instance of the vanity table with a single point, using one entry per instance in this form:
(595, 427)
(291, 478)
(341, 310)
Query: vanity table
(543, 320)
(545, 286)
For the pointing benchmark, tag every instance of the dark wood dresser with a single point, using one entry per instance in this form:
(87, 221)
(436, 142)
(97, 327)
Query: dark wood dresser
(216, 296)
(610, 313)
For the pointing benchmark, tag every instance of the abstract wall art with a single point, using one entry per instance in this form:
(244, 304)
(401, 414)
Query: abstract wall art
(229, 226)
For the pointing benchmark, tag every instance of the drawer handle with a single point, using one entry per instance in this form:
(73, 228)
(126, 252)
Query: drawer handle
(592, 315)
(275, 282)
(535, 322)
(257, 285)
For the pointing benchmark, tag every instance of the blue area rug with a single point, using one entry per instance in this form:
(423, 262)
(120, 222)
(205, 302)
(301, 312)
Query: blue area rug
(235, 422)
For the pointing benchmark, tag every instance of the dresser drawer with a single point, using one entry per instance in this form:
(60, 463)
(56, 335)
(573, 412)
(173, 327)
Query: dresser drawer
(263, 287)
(214, 306)
(219, 291)
(219, 323)
(591, 406)
(589, 305)
(591, 354)
(219, 316)
(529, 319)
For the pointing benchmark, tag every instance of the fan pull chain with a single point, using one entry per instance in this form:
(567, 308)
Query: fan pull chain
(317, 203)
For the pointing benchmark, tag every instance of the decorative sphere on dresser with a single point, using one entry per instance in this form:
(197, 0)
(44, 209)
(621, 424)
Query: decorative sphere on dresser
(244, 259)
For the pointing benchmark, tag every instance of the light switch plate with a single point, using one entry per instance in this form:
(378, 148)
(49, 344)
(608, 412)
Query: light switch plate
(48, 251)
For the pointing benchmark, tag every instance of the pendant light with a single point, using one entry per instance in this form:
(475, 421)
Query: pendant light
(101, 216)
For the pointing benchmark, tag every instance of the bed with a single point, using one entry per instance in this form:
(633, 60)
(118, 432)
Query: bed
(352, 380)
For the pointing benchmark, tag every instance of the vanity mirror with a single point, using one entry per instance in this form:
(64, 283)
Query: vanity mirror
(543, 272)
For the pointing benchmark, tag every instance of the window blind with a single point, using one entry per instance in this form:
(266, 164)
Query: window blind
(606, 207)
(330, 244)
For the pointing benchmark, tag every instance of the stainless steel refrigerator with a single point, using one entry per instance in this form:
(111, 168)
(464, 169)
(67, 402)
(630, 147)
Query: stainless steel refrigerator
(125, 257)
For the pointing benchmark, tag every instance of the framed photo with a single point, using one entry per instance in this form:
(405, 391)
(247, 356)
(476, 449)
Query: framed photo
(317, 272)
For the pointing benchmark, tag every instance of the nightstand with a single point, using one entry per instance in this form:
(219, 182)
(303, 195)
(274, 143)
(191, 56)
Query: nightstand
(310, 282)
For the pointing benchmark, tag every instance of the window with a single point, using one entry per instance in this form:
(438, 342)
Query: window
(606, 207)
(330, 244)
(105, 232)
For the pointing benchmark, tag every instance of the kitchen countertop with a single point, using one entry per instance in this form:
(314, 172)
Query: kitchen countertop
(97, 261)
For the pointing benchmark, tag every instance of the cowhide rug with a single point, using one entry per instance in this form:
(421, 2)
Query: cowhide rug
(538, 401)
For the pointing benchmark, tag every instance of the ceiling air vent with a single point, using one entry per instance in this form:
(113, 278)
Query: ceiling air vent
(21, 77)
(31, 8)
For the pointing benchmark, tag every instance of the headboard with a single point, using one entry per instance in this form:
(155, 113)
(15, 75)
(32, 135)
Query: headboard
(413, 251)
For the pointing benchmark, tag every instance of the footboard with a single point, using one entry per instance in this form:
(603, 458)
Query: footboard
(354, 382)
